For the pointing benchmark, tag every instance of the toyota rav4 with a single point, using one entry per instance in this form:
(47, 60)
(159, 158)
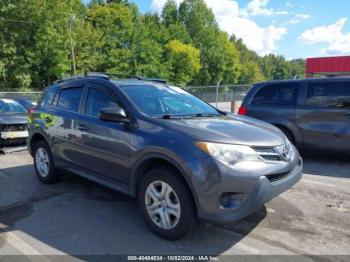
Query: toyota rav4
(180, 157)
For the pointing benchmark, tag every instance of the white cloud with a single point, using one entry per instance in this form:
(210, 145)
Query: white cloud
(259, 8)
(298, 18)
(260, 39)
(332, 35)
(234, 20)
(289, 4)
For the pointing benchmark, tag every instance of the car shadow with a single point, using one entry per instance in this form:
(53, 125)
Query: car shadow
(80, 218)
(326, 164)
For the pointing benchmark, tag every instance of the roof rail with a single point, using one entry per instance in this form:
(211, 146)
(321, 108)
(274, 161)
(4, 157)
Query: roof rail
(108, 77)
(87, 74)
(67, 79)
(154, 80)
(97, 74)
(151, 79)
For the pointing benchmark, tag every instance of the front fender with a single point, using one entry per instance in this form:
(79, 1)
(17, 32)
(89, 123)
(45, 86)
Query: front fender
(162, 154)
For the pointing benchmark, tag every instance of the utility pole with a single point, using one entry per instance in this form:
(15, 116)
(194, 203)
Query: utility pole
(217, 93)
(71, 20)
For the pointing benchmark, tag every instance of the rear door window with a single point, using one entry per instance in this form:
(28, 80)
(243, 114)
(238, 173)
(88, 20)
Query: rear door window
(277, 94)
(330, 94)
(343, 95)
(69, 99)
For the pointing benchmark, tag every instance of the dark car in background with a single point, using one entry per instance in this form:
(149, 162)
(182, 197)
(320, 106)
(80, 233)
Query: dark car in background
(13, 123)
(180, 157)
(313, 113)
(26, 103)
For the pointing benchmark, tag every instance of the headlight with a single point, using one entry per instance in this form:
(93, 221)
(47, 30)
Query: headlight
(229, 154)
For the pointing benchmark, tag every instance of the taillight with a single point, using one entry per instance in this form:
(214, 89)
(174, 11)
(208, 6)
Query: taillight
(30, 111)
(242, 111)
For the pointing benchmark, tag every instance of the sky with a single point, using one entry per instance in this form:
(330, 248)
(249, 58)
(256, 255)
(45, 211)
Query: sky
(292, 28)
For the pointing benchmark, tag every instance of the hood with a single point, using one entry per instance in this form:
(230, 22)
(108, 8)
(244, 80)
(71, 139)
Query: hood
(230, 129)
(13, 118)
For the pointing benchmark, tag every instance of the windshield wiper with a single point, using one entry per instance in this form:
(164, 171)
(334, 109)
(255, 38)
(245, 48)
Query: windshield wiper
(205, 115)
(175, 116)
(188, 116)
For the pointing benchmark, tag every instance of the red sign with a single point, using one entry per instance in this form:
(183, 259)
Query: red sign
(328, 65)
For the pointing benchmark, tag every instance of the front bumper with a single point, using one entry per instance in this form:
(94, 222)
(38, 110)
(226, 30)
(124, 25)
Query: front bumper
(252, 184)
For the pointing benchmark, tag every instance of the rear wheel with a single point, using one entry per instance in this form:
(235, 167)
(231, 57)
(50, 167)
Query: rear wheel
(166, 203)
(43, 163)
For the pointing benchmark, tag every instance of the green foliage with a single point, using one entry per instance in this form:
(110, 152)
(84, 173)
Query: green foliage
(250, 70)
(113, 26)
(184, 61)
(197, 17)
(219, 57)
(183, 44)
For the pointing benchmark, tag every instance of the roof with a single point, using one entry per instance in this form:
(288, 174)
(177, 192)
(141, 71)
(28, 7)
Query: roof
(328, 79)
(328, 65)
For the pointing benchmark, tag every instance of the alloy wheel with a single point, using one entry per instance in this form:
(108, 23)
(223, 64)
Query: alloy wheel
(162, 205)
(42, 162)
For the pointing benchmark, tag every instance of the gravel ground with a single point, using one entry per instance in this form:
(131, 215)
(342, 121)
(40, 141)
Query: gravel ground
(77, 217)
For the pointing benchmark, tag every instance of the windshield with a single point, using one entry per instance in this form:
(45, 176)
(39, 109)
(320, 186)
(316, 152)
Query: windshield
(10, 106)
(159, 101)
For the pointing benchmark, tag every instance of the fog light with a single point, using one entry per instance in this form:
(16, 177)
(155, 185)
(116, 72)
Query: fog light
(230, 200)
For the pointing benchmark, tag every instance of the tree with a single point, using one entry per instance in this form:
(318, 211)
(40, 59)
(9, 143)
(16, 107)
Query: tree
(250, 73)
(274, 67)
(219, 57)
(184, 61)
(184, 44)
(176, 28)
(170, 14)
(34, 42)
(250, 70)
(147, 47)
(115, 23)
(196, 16)
(297, 68)
(87, 44)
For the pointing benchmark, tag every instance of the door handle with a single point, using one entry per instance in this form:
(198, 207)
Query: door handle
(347, 115)
(82, 127)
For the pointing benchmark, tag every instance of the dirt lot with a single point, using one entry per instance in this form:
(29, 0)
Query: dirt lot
(78, 217)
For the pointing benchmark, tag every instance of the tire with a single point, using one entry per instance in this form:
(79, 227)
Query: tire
(44, 164)
(177, 200)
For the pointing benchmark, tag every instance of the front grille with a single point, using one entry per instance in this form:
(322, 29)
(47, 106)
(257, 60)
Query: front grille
(268, 153)
(277, 177)
(12, 142)
(271, 158)
(278, 153)
(264, 149)
(13, 127)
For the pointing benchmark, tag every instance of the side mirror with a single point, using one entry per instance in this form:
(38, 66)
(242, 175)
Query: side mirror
(113, 114)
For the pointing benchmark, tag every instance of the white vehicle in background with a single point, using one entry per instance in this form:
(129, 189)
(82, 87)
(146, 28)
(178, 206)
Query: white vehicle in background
(13, 124)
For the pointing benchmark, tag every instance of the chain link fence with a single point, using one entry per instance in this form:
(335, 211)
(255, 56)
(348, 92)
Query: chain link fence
(223, 93)
(34, 96)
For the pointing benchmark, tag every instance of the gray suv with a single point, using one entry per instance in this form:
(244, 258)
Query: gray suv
(180, 157)
(313, 113)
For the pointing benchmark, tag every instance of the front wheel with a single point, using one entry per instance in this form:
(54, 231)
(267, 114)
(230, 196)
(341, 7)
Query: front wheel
(166, 203)
(44, 165)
